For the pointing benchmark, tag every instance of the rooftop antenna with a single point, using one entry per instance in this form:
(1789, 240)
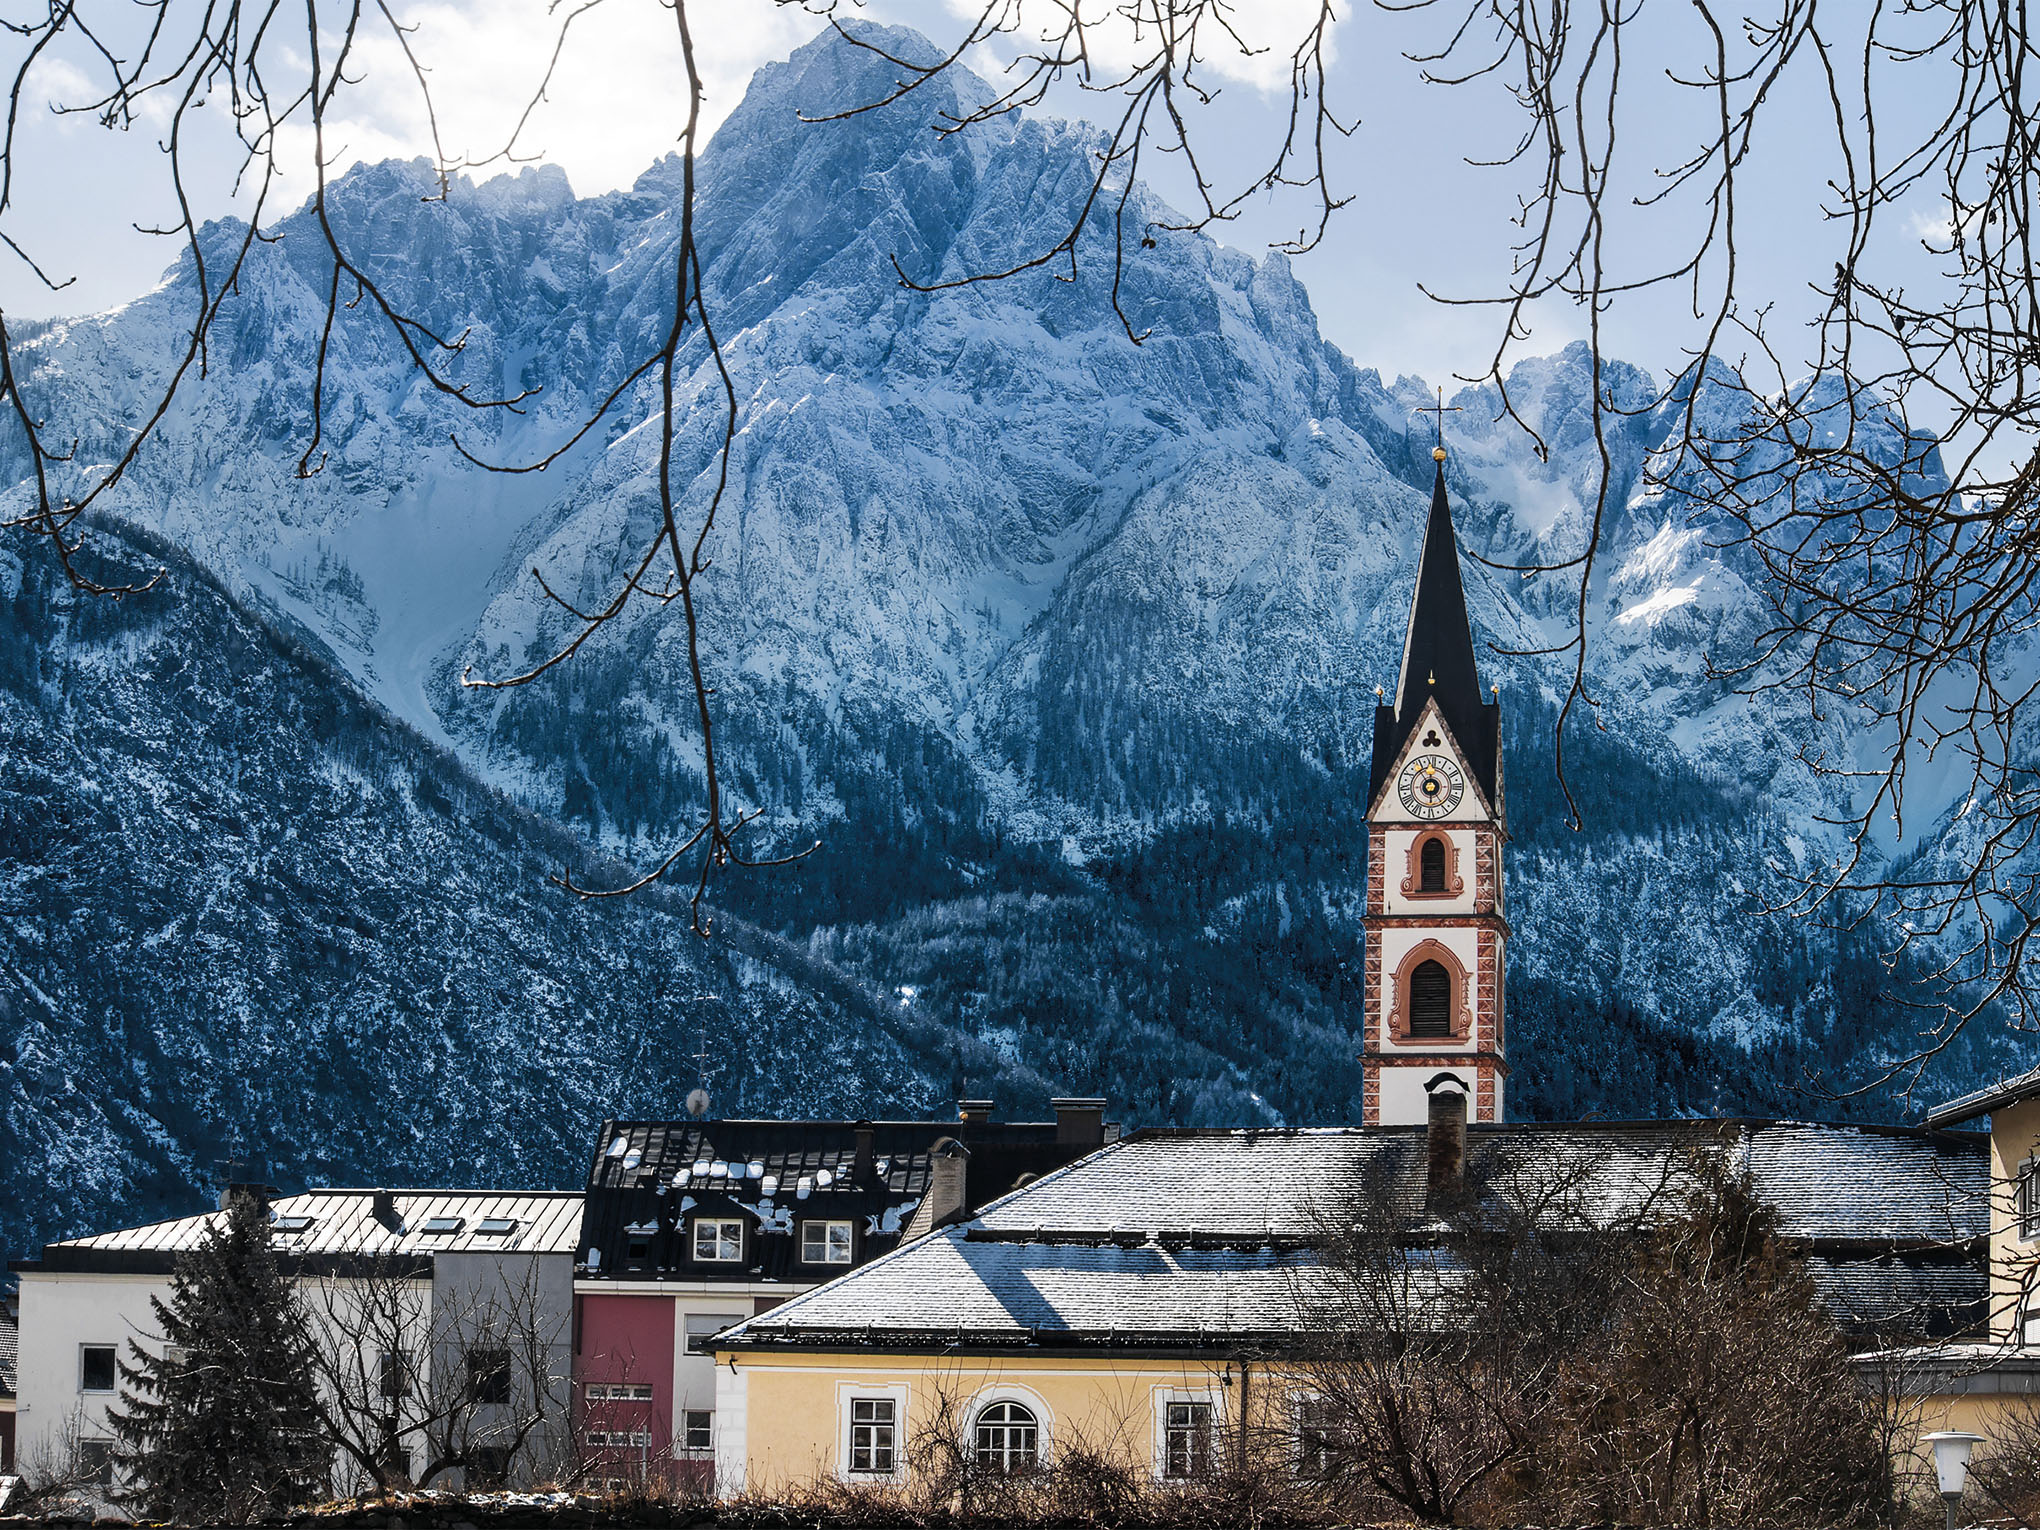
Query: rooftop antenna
(1440, 409)
(697, 1097)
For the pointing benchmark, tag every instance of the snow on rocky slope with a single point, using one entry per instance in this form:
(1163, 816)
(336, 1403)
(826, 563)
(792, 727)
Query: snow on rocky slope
(1066, 647)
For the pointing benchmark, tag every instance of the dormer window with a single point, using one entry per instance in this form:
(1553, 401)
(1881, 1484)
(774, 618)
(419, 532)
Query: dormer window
(719, 1240)
(825, 1242)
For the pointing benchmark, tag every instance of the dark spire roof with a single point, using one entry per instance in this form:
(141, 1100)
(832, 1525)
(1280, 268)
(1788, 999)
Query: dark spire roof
(1438, 662)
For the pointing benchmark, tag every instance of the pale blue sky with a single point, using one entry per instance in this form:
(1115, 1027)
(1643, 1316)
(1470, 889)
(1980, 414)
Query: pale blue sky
(1420, 213)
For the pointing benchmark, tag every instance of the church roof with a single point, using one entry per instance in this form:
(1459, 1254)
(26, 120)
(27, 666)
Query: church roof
(1438, 662)
(1192, 1238)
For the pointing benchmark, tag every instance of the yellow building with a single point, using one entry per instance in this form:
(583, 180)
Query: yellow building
(1990, 1382)
(1146, 1302)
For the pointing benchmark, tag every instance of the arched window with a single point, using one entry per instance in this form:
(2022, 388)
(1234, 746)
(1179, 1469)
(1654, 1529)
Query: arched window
(1430, 1000)
(1008, 1440)
(1431, 866)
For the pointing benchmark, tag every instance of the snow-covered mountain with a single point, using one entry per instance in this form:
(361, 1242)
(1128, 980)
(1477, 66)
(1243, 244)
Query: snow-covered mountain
(1066, 648)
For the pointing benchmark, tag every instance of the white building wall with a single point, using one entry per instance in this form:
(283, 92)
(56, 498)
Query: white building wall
(60, 1315)
(732, 1429)
(63, 1313)
(697, 1383)
(1404, 1100)
(1396, 863)
(1396, 943)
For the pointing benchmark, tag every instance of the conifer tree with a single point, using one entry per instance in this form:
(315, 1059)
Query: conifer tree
(223, 1427)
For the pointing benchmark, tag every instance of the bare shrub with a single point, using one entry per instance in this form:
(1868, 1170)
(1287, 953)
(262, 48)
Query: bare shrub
(415, 1386)
(1528, 1354)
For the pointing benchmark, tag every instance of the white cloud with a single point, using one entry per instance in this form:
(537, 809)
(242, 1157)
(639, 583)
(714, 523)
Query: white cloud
(1268, 32)
(616, 103)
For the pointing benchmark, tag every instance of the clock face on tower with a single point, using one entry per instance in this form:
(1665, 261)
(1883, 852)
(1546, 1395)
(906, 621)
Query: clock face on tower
(1430, 786)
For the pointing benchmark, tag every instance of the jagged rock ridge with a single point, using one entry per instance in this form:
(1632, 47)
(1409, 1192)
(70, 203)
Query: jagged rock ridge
(1065, 647)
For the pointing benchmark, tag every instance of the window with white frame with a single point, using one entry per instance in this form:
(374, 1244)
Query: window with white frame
(874, 1436)
(1007, 1439)
(1186, 1440)
(702, 1327)
(1316, 1438)
(96, 1367)
(488, 1373)
(718, 1240)
(619, 1391)
(825, 1243)
(95, 1463)
(697, 1432)
(2029, 1200)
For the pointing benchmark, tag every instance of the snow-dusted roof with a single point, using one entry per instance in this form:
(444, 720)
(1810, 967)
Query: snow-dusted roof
(650, 1175)
(1851, 1182)
(1182, 1237)
(344, 1223)
(1981, 1102)
(10, 1336)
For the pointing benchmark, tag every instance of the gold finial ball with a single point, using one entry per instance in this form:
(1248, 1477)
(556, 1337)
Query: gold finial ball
(1437, 454)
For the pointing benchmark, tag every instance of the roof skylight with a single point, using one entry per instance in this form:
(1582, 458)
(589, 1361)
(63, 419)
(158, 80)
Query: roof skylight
(291, 1224)
(496, 1227)
(440, 1226)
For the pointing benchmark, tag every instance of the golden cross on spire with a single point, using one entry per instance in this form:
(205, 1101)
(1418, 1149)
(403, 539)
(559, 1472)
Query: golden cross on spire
(1440, 409)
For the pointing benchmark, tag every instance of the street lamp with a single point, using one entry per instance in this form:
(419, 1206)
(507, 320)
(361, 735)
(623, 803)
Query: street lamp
(1951, 1464)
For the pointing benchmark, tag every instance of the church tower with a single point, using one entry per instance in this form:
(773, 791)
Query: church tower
(1435, 926)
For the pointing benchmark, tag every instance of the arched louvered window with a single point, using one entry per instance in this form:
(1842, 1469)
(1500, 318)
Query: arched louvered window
(1008, 1440)
(1431, 866)
(1430, 1000)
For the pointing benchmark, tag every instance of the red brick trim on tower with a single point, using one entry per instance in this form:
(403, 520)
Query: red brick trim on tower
(1485, 885)
(1487, 976)
(1411, 1058)
(1429, 921)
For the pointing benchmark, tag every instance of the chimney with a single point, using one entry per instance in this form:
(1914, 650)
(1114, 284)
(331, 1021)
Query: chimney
(1445, 1145)
(949, 1166)
(974, 1112)
(245, 1176)
(384, 1209)
(1079, 1123)
(863, 1168)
